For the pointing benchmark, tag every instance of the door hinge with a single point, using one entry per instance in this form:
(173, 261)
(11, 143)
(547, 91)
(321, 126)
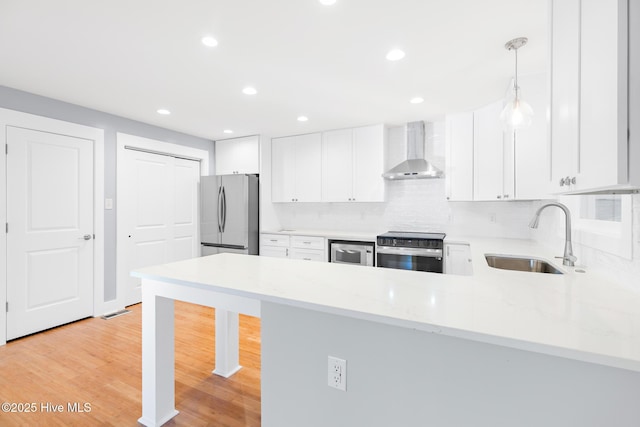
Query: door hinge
(6, 148)
(7, 306)
(7, 228)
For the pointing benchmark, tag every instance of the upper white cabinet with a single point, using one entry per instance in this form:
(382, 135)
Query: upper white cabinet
(493, 155)
(352, 165)
(459, 169)
(238, 155)
(296, 168)
(590, 93)
(531, 145)
(337, 165)
(485, 162)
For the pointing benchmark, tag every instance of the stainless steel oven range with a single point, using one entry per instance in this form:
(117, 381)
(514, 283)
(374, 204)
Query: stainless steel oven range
(410, 251)
(351, 252)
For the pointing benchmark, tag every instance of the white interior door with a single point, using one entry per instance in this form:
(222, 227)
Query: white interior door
(160, 212)
(50, 239)
(185, 221)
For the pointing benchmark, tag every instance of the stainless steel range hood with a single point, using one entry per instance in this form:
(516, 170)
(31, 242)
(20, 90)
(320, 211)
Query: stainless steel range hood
(415, 167)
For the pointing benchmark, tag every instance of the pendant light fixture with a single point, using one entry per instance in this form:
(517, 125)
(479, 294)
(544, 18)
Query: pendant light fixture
(517, 113)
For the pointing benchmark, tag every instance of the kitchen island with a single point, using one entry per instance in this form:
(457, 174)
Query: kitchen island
(496, 348)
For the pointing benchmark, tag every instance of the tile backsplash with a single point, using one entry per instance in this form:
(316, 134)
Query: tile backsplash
(421, 205)
(416, 205)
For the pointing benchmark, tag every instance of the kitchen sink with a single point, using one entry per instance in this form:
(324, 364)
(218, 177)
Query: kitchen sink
(517, 263)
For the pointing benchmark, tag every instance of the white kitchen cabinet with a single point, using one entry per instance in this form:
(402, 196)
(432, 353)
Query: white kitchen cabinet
(337, 166)
(368, 163)
(531, 145)
(296, 168)
(307, 255)
(459, 169)
(507, 165)
(590, 93)
(493, 169)
(309, 248)
(274, 245)
(352, 164)
(457, 259)
(238, 156)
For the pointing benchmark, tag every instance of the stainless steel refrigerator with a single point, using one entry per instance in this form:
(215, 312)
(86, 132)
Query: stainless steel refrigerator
(229, 214)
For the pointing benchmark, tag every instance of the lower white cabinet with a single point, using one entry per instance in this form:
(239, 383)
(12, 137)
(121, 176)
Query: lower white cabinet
(307, 254)
(308, 248)
(274, 245)
(457, 259)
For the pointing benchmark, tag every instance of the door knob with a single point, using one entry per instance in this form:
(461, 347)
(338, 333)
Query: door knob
(86, 237)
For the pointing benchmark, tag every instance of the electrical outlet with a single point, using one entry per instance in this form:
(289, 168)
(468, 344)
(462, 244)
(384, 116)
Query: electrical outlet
(337, 373)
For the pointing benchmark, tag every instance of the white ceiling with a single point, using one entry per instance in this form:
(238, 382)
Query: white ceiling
(131, 57)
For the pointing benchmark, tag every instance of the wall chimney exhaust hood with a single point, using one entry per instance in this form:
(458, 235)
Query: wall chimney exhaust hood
(415, 167)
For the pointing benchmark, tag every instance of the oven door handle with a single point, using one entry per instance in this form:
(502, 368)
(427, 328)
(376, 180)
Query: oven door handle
(430, 253)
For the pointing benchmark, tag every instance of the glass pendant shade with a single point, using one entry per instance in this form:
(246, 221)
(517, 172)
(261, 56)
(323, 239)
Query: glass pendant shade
(517, 113)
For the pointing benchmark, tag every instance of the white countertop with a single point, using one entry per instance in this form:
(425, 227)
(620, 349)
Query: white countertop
(329, 234)
(580, 316)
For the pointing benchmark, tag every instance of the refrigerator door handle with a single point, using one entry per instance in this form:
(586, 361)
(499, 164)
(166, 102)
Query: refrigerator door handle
(224, 209)
(219, 209)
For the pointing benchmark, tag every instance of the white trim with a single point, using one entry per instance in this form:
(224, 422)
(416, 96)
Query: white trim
(160, 147)
(30, 121)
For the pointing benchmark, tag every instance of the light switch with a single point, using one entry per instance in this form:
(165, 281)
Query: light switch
(108, 203)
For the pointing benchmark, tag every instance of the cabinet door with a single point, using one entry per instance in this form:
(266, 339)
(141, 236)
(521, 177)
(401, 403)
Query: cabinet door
(238, 155)
(283, 169)
(308, 168)
(459, 139)
(274, 251)
(458, 259)
(337, 166)
(368, 163)
(565, 89)
(488, 153)
(603, 94)
(532, 174)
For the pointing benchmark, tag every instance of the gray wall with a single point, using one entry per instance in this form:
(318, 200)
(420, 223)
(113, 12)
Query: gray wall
(403, 377)
(34, 104)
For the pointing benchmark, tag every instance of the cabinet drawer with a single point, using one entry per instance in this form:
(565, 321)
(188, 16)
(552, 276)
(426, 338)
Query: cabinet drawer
(274, 251)
(274, 240)
(307, 242)
(308, 254)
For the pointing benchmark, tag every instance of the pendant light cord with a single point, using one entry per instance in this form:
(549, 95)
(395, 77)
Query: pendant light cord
(516, 77)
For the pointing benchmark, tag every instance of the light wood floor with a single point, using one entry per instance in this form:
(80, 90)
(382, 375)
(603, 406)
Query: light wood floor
(98, 362)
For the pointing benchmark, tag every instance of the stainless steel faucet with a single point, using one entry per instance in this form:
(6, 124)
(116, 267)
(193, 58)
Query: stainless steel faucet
(568, 258)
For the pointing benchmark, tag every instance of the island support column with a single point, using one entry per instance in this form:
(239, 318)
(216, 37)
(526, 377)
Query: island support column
(227, 343)
(158, 359)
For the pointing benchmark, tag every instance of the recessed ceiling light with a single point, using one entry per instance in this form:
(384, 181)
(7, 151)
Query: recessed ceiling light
(303, 118)
(209, 41)
(249, 90)
(417, 100)
(163, 111)
(395, 55)
(327, 2)
(227, 131)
